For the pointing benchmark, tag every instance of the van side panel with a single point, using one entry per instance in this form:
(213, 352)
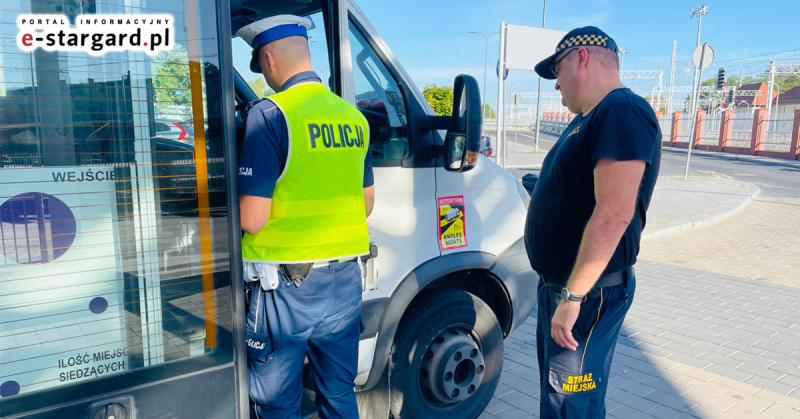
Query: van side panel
(407, 290)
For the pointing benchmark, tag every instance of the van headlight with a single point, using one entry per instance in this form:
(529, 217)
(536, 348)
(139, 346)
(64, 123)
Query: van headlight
(523, 193)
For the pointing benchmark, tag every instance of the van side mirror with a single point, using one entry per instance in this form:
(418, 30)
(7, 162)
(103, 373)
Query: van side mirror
(462, 144)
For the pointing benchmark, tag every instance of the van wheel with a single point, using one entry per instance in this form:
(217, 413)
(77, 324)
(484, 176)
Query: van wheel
(447, 357)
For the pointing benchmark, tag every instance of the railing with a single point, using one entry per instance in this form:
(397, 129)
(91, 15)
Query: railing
(741, 133)
(779, 135)
(754, 134)
(552, 127)
(666, 127)
(710, 131)
(684, 128)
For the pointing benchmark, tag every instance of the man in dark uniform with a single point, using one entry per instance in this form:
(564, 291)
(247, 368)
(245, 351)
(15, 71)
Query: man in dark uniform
(585, 221)
(305, 190)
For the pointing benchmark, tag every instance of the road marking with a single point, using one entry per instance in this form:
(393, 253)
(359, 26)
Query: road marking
(713, 173)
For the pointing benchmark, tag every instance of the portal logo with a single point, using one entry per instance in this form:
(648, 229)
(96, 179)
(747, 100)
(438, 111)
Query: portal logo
(42, 227)
(96, 34)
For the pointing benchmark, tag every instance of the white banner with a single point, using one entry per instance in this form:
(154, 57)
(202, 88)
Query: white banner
(526, 46)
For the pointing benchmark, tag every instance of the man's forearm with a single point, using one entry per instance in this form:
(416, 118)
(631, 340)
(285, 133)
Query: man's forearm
(600, 240)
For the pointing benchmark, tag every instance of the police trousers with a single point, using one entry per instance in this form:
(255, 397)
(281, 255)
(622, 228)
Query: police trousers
(320, 319)
(574, 383)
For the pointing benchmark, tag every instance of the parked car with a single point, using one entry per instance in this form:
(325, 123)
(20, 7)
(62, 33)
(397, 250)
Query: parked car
(486, 145)
(181, 131)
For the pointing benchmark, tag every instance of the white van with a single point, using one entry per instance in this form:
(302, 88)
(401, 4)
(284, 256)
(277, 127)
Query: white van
(120, 289)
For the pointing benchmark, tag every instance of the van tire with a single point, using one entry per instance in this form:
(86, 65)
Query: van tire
(447, 357)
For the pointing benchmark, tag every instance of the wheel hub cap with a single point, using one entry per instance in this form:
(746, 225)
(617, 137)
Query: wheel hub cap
(452, 367)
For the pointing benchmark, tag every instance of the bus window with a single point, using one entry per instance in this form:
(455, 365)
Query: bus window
(113, 222)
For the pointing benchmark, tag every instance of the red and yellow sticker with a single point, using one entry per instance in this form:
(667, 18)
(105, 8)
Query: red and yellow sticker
(452, 227)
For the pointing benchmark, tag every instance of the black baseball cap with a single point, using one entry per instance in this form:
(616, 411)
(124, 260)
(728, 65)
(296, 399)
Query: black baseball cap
(578, 37)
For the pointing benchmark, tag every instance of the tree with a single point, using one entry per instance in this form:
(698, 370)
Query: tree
(260, 88)
(663, 107)
(440, 99)
(488, 112)
(171, 83)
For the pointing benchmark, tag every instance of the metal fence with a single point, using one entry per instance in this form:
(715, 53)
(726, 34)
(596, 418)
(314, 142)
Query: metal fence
(552, 127)
(779, 134)
(666, 127)
(684, 128)
(710, 132)
(741, 132)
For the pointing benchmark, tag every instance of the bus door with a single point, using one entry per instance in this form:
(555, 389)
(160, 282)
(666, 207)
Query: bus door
(115, 224)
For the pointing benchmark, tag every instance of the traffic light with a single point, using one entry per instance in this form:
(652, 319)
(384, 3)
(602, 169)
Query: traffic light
(721, 79)
(729, 97)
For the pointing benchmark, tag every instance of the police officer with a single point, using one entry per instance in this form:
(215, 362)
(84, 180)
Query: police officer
(585, 222)
(305, 190)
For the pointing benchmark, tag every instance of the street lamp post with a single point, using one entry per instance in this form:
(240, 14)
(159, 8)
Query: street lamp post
(485, 64)
(622, 52)
(539, 93)
(696, 12)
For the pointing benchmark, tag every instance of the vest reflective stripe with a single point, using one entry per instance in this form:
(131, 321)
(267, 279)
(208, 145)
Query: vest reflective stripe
(317, 209)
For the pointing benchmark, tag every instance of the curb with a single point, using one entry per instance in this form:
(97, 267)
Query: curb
(754, 192)
(772, 161)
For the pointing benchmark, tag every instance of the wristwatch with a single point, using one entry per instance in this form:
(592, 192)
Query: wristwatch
(567, 295)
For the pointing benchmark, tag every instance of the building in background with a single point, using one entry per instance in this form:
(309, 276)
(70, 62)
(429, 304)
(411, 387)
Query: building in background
(785, 103)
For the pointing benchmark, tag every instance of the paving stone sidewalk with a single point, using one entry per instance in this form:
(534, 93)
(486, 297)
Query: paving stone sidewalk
(714, 330)
(694, 345)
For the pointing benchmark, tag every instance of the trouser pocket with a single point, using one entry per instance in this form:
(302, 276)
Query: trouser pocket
(263, 337)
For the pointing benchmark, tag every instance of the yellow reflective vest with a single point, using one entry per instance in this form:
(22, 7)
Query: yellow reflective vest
(318, 211)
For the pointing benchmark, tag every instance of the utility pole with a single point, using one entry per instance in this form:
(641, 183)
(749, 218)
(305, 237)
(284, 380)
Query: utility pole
(770, 87)
(741, 76)
(485, 64)
(696, 12)
(622, 52)
(672, 77)
(501, 92)
(539, 95)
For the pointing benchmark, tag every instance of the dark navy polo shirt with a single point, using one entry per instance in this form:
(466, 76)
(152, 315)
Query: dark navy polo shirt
(266, 145)
(621, 127)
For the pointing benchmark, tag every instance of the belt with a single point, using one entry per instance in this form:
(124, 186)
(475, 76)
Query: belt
(607, 279)
(324, 263)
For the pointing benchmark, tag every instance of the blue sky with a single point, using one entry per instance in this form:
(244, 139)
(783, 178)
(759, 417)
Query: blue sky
(430, 37)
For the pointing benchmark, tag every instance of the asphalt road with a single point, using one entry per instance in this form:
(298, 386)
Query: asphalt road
(776, 178)
(526, 137)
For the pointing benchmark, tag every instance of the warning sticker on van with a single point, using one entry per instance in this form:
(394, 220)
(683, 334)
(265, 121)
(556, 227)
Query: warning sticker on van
(452, 227)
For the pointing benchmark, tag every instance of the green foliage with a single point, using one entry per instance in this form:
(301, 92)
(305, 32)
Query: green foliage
(440, 99)
(488, 112)
(171, 81)
(260, 88)
(663, 107)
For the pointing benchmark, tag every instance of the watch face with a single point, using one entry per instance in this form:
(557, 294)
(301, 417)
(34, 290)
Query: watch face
(564, 293)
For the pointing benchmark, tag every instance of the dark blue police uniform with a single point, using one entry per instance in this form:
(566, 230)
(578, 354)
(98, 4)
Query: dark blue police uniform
(622, 127)
(320, 319)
